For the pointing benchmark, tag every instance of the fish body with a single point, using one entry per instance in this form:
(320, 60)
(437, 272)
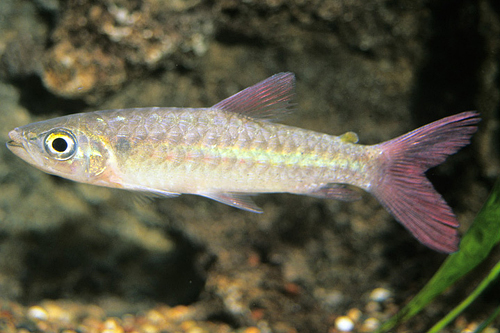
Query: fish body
(208, 151)
(231, 150)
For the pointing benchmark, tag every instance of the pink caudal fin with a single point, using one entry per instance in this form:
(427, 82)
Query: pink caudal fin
(407, 194)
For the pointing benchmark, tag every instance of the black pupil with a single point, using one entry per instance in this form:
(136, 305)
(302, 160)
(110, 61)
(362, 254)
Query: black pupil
(60, 145)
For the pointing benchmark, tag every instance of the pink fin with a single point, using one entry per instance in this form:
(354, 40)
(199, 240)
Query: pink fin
(407, 194)
(337, 192)
(269, 99)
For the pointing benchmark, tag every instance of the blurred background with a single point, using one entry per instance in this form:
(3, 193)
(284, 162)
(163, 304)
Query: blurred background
(78, 257)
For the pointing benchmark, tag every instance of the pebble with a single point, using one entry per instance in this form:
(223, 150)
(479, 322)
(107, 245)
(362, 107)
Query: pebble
(354, 314)
(69, 317)
(380, 294)
(149, 328)
(344, 324)
(373, 306)
(112, 325)
(37, 313)
(370, 325)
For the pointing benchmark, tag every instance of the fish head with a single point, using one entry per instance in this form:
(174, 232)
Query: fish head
(61, 147)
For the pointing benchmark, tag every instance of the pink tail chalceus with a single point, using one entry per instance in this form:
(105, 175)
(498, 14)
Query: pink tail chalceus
(403, 189)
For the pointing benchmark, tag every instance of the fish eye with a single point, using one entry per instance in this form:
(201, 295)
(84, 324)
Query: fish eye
(60, 144)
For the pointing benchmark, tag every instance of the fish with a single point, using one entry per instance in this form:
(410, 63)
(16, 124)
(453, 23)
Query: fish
(234, 149)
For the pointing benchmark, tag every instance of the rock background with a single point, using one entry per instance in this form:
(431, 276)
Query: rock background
(376, 67)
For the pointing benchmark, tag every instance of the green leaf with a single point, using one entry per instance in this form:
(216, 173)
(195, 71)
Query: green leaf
(477, 243)
(488, 321)
(465, 303)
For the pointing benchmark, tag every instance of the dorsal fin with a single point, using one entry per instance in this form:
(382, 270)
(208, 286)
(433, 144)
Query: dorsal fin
(267, 99)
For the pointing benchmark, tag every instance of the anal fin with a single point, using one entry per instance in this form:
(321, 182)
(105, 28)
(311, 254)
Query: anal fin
(238, 200)
(337, 192)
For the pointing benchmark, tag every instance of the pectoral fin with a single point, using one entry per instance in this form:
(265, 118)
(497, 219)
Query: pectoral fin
(238, 200)
(150, 192)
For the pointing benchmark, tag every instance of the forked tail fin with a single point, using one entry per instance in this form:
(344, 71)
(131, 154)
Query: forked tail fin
(404, 190)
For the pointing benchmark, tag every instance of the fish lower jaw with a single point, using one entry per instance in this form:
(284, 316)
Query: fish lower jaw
(12, 143)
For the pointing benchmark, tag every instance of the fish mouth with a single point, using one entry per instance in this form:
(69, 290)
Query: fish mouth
(14, 144)
(20, 147)
(15, 140)
(17, 146)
